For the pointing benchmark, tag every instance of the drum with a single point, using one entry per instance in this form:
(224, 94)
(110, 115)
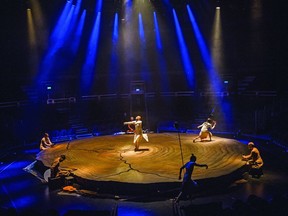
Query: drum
(47, 174)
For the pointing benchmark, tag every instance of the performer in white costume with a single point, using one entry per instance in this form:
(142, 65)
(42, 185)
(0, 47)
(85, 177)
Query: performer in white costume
(138, 132)
(204, 132)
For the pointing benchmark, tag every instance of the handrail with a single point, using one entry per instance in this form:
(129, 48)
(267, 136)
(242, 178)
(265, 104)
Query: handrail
(147, 94)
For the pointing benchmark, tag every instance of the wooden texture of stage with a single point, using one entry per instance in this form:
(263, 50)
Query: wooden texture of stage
(112, 158)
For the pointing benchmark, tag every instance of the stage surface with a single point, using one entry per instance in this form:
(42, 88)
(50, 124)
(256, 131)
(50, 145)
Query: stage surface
(112, 158)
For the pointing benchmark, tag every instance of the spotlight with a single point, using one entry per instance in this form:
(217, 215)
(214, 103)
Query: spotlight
(218, 5)
(49, 86)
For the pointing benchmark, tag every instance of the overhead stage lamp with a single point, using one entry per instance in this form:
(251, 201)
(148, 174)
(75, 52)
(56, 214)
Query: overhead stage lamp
(218, 5)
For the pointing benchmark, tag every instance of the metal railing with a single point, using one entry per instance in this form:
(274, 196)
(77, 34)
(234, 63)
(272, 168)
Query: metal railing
(147, 95)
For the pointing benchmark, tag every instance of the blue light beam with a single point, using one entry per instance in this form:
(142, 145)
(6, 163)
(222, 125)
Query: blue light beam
(184, 53)
(144, 64)
(141, 29)
(99, 6)
(214, 79)
(74, 18)
(115, 29)
(161, 60)
(89, 65)
(114, 57)
(57, 39)
(61, 20)
(76, 42)
(157, 33)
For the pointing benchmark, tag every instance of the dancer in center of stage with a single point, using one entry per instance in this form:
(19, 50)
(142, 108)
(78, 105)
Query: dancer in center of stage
(204, 132)
(138, 132)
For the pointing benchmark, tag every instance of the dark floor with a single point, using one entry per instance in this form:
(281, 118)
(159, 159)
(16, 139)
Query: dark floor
(27, 195)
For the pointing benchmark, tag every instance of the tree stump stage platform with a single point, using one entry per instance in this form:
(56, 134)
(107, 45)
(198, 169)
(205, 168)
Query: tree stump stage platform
(110, 164)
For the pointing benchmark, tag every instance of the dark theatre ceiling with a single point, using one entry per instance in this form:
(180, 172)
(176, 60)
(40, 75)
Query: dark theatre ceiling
(252, 43)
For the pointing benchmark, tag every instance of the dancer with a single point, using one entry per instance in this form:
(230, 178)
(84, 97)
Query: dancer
(204, 132)
(254, 161)
(188, 183)
(45, 142)
(138, 132)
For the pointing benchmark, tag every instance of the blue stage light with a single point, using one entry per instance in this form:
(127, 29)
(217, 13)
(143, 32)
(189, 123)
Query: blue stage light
(91, 53)
(157, 33)
(115, 30)
(187, 63)
(141, 29)
(213, 74)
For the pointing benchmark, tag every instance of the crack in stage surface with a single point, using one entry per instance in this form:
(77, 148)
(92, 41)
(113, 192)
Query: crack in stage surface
(131, 168)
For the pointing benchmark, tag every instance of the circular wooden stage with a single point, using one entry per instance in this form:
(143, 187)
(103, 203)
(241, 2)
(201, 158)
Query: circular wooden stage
(112, 158)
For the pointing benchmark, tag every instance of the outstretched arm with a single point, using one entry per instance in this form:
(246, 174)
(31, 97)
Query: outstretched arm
(247, 156)
(200, 126)
(129, 123)
(201, 165)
